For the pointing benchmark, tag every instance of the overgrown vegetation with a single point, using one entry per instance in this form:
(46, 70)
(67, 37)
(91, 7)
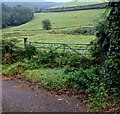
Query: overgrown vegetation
(97, 75)
(85, 30)
(55, 71)
(105, 52)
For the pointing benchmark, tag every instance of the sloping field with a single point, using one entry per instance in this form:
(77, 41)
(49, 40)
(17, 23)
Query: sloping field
(61, 20)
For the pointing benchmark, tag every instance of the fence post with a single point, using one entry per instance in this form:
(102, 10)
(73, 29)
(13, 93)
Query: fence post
(25, 42)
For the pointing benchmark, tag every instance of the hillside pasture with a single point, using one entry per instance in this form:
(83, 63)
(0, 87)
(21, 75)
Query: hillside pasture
(60, 20)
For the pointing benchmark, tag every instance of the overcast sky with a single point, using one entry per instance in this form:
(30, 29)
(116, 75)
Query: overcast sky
(50, 0)
(74, 0)
(35, 0)
(59, 0)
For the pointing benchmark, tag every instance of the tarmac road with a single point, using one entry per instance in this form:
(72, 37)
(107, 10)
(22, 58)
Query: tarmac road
(18, 96)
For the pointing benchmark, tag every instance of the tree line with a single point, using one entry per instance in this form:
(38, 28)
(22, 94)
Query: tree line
(75, 8)
(14, 16)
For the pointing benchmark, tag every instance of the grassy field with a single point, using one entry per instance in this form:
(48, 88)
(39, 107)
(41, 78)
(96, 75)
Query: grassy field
(62, 21)
(62, 38)
(70, 4)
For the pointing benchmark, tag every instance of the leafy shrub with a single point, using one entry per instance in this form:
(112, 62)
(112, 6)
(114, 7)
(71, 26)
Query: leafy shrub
(98, 101)
(30, 51)
(45, 58)
(86, 79)
(55, 59)
(7, 59)
(82, 79)
(46, 24)
(9, 47)
(75, 31)
(74, 61)
(81, 30)
(20, 53)
(11, 42)
(78, 61)
(61, 61)
(11, 52)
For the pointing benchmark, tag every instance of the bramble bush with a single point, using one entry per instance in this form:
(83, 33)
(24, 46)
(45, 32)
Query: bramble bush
(11, 52)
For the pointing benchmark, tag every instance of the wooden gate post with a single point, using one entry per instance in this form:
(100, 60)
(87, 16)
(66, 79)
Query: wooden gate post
(25, 42)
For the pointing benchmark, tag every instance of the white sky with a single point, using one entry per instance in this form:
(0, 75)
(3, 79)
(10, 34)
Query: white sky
(50, 0)
(59, 0)
(77, 0)
(35, 0)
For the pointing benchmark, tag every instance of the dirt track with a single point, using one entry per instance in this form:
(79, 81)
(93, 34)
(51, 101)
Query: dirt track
(18, 96)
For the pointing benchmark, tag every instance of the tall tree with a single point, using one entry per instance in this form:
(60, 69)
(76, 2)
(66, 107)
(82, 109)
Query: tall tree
(6, 15)
(16, 15)
(21, 15)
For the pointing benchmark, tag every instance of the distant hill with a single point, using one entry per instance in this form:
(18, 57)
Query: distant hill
(76, 8)
(72, 4)
(39, 5)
